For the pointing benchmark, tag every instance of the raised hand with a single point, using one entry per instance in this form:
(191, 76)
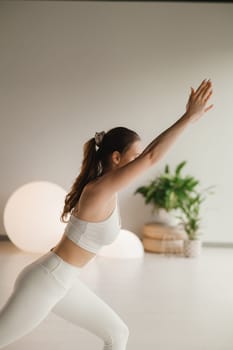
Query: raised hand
(196, 105)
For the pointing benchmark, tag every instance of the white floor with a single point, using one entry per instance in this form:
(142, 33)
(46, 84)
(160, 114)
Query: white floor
(168, 301)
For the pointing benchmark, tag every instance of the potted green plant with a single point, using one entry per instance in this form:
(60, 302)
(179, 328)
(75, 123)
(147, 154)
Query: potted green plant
(173, 192)
(165, 193)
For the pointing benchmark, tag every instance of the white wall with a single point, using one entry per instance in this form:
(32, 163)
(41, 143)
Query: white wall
(69, 69)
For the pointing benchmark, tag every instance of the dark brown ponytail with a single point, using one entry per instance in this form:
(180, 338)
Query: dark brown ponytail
(89, 171)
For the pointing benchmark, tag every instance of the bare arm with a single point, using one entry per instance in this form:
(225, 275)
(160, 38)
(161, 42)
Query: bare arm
(196, 106)
(159, 146)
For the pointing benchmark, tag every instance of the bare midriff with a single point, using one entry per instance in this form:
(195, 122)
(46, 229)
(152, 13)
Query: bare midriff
(72, 253)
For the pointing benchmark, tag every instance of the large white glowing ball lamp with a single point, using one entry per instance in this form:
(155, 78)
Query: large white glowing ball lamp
(32, 216)
(126, 245)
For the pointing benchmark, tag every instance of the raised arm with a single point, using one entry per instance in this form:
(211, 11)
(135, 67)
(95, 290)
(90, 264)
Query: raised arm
(116, 180)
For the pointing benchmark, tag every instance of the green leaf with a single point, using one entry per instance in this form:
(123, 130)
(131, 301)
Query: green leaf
(179, 167)
(167, 170)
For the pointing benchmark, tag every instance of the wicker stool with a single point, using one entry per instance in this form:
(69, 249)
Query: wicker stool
(161, 238)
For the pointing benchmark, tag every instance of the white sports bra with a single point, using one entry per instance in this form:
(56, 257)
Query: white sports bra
(93, 235)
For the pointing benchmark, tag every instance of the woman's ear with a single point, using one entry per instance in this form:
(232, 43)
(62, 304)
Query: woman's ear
(116, 157)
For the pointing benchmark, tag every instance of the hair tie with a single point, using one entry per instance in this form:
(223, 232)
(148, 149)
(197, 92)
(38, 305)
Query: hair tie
(99, 137)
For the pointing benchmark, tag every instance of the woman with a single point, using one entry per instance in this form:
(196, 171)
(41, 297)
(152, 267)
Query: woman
(111, 161)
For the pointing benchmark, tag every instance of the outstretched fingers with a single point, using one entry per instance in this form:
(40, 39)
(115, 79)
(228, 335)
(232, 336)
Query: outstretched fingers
(207, 95)
(205, 90)
(201, 87)
(209, 107)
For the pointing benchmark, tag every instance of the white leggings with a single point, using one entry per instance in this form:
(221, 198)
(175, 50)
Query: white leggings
(51, 284)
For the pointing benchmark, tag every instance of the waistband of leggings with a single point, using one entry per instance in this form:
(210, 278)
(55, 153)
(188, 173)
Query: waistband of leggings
(50, 259)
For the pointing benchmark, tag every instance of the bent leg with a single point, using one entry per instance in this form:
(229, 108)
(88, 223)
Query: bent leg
(34, 294)
(84, 308)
